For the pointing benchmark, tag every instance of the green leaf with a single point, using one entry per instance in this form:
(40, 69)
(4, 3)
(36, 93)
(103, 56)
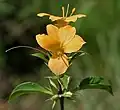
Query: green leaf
(54, 97)
(26, 88)
(52, 77)
(52, 83)
(95, 83)
(67, 94)
(54, 103)
(76, 54)
(65, 81)
(41, 56)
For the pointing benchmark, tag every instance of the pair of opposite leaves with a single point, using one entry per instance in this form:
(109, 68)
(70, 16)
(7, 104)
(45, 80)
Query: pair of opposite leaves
(61, 39)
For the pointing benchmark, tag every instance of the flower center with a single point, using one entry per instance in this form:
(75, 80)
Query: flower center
(60, 23)
(58, 53)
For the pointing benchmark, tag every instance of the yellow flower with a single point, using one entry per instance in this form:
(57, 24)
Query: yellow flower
(65, 19)
(58, 42)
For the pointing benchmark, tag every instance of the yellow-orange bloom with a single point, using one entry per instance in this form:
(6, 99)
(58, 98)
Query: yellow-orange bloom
(65, 19)
(58, 42)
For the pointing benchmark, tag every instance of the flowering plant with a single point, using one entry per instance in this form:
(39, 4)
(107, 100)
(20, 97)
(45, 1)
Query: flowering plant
(60, 46)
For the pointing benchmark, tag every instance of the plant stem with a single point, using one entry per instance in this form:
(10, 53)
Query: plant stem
(62, 103)
(61, 98)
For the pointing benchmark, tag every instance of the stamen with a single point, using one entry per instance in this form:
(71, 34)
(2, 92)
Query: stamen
(73, 10)
(63, 11)
(67, 10)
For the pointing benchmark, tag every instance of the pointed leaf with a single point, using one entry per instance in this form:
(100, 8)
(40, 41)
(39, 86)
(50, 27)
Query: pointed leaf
(26, 88)
(52, 77)
(75, 55)
(54, 97)
(52, 83)
(65, 81)
(95, 83)
(67, 94)
(53, 106)
(41, 56)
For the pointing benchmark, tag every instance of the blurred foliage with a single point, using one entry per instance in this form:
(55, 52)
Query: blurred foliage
(100, 29)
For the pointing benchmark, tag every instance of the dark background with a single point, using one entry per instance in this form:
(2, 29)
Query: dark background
(100, 29)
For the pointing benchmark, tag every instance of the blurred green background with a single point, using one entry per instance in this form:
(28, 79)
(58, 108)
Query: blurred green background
(100, 29)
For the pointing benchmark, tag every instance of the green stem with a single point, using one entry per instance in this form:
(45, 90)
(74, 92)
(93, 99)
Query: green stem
(61, 98)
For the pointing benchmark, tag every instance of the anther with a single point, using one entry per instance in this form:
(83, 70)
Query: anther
(73, 10)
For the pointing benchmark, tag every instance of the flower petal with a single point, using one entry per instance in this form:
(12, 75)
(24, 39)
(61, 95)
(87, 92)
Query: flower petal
(51, 17)
(43, 14)
(66, 33)
(74, 45)
(52, 31)
(54, 18)
(47, 42)
(74, 17)
(58, 65)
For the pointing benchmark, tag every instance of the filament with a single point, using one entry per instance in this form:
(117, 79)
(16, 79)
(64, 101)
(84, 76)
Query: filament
(63, 11)
(67, 10)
